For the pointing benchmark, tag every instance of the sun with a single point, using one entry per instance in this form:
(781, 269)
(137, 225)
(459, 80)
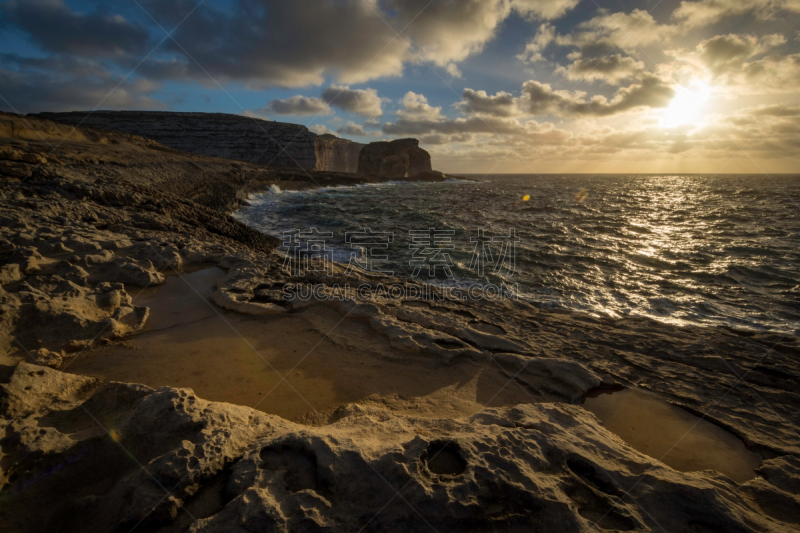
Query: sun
(688, 106)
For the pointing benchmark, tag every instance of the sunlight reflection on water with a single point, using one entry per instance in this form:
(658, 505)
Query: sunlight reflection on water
(682, 249)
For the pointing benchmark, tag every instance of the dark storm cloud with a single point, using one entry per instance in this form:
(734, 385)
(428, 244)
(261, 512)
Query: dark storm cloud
(297, 105)
(276, 43)
(364, 102)
(292, 44)
(63, 65)
(34, 91)
(58, 29)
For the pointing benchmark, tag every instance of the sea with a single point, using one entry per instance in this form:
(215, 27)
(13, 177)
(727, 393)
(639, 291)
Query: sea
(706, 250)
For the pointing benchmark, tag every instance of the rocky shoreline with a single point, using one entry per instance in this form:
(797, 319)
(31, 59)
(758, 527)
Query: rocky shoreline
(89, 218)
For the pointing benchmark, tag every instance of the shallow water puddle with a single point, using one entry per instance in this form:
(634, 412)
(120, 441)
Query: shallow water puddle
(180, 299)
(672, 435)
(235, 358)
(188, 342)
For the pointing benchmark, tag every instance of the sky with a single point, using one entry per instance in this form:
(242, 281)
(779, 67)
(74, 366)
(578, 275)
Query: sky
(488, 86)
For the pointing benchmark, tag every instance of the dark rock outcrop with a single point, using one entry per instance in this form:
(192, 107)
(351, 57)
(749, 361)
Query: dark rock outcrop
(394, 159)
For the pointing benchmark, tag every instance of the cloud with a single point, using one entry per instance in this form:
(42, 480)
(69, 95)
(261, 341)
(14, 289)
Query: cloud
(611, 69)
(418, 118)
(744, 64)
(285, 43)
(535, 47)
(624, 31)
(416, 108)
(499, 114)
(453, 70)
(282, 44)
(31, 91)
(441, 139)
(725, 53)
(372, 123)
(771, 133)
(540, 99)
(56, 28)
(502, 104)
(775, 110)
(629, 31)
(356, 130)
(448, 32)
(705, 12)
(297, 105)
(364, 102)
(619, 150)
(65, 66)
(487, 125)
(321, 129)
(544, 9)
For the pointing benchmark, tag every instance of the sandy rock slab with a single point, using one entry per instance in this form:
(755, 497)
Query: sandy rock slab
(81, 455)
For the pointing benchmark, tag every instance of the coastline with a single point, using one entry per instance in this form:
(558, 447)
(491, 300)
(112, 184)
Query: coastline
(92, 218)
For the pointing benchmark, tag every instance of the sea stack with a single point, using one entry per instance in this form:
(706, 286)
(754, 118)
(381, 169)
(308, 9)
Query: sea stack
(394, 159)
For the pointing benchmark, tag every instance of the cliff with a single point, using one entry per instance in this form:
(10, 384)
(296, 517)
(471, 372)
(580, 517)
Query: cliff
(394, 159)
(337, 155)
(262, 142)
(248, 139)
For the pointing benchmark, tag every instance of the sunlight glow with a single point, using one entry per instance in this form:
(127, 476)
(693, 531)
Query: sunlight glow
(688, 106)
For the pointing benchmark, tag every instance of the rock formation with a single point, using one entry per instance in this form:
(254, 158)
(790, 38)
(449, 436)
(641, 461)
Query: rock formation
(337, 155)
(394, 159)
(92, 456)
(248, 139)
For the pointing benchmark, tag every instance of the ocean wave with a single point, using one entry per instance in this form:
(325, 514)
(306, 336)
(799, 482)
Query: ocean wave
(683, 249)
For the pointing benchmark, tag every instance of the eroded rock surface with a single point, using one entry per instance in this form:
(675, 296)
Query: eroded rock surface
(165, 458)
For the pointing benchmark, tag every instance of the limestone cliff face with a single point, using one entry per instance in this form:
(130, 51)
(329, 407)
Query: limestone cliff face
(264, 142)
(394, 159)
(337, 155)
